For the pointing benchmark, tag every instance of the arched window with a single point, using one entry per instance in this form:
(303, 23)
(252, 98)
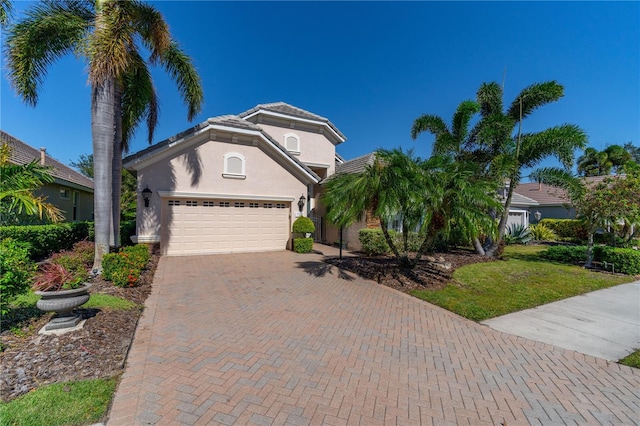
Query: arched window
(234, 166)
(292, 143)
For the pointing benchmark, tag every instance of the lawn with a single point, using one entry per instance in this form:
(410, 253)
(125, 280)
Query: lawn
(523, 280)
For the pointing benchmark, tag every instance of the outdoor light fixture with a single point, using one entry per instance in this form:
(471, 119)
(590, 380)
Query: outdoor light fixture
(301, 202)
(146, 196)
(537, 215)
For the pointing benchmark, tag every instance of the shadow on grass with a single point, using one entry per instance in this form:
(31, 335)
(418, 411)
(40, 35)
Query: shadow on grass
(321, 269)
(19, 317)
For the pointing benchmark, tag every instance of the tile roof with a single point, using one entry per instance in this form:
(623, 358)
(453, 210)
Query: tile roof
(21, 153)
(518, 199)
(550, 195)
(292, 111)
(356, 165)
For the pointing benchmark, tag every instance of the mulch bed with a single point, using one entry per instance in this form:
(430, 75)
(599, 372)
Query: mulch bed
(98, 350)
(426, 274)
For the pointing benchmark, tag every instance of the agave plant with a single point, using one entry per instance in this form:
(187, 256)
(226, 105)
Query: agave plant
(518, 234)
(541, 232)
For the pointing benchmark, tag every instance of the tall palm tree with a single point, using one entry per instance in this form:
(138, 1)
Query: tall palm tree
(499, 133)
(17, 183)
(105, 34)
(6, 8)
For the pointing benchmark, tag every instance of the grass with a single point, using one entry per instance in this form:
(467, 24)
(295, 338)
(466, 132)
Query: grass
(524, 280)
(632, 360)
(70, 403)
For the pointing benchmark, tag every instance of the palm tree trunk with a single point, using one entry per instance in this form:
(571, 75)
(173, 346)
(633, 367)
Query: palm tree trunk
(103, 133)
(589, 261)
(388, 239)
(477, 245)
(116, 169)
(504, 218)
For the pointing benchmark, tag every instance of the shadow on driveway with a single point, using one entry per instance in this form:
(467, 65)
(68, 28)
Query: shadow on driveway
(321, 269)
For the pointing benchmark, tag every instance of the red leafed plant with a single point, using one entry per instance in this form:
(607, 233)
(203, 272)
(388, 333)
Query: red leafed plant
(54, 277)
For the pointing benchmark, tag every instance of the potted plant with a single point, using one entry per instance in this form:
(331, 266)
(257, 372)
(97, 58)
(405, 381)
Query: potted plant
(61, 290)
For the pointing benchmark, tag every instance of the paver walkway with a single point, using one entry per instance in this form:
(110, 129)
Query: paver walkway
(282, 338)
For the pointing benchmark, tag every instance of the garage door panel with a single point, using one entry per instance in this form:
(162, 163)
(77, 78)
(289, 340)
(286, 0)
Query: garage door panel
(201, 228)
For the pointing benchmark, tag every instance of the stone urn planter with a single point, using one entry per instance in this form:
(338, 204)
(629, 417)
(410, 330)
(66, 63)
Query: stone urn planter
(63, 302)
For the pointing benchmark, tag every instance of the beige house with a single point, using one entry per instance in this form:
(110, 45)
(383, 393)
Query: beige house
(234, 183)
(71, 192)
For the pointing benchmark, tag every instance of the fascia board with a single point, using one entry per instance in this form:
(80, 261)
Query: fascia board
(303, 120)
(179, 194)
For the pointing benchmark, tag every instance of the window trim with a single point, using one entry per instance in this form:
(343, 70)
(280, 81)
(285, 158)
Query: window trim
(227, 173)
(65, 190)
(297, 138)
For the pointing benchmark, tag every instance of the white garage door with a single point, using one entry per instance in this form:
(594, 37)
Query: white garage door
(224, 226)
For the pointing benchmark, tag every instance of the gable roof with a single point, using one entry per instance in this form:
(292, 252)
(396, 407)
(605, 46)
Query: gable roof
(227, 123)
(518, 199)
(21, 153)
(285, 109)
(547, 195)
(357, 164)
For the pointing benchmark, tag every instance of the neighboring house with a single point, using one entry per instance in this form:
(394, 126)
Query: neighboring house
(520, 208)
(71, 192)
(233, 183)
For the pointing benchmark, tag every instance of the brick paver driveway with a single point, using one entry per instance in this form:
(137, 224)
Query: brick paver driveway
(281, 338)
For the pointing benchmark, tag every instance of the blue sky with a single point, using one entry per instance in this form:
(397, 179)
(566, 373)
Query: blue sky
(371, 68)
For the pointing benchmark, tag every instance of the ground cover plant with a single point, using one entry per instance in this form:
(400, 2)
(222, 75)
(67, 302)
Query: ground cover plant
(632, 360)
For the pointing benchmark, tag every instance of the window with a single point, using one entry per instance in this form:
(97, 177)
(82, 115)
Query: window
(234, 166)
(208, 203)
(254, 205)
(192, 203)
(292, 143)
(280, 206)
(238, 204)
(64, 193)
(75, 205)
(267, 205)
(174, 202)
(224, 204)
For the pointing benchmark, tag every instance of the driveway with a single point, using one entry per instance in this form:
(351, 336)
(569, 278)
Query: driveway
(603, 323)
(282, 338)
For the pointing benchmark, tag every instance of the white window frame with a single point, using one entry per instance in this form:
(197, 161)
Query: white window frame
(227, 173)
(65, 193)
(297, 138)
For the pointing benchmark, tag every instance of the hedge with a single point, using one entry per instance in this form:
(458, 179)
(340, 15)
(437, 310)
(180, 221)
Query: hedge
(625, 261)
(16, 271)
(566, 254)
(303, 225)
(571, 229)
(372, 241)
(303, 245)
(47, 239)
(123, 268)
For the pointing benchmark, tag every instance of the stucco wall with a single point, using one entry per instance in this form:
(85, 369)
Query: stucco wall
(198, 171)
(84, 206)
(552, 212)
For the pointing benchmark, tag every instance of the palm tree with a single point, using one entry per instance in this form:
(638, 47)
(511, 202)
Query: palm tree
(601, 163)
(510, 149)
(17, 183)
(6, 8)
(105, 34)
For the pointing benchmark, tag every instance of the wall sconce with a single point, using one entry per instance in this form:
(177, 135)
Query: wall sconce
(146, 196)
(301, 202)
(537, 215)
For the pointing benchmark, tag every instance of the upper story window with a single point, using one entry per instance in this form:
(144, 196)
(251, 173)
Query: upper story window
(292, 143)
(64, 193)
(234, 166)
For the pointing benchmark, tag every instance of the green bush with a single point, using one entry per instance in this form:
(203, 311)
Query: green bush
(625, 260)
(566, 254)
(127, 230)
(303, 245)
(541, 232)
(47, 239)
(79, 258)
(414, 241)
(567, 229)
(372, 241)
(303, 225)
(124, 267)
(16, 271)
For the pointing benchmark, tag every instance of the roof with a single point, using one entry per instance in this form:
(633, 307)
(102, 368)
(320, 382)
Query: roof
(356, 165)
(227, 121)
(292, 111)
(21, 153)
(547, 195)
(520, 200)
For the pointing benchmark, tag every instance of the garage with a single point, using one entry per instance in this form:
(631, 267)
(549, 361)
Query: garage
(206, 226)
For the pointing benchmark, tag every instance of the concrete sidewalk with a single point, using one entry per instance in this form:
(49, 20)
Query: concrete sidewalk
(603, 323)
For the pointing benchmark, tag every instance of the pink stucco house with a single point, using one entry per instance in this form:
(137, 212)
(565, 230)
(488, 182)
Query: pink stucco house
(233, 183)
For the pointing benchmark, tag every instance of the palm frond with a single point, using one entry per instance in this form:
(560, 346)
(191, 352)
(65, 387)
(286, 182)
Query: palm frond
(151, 26)
(489, 97)
(428, 123)
(181, 69)
(6, 10)
(462, 117)
(533, 97)
(559, 141)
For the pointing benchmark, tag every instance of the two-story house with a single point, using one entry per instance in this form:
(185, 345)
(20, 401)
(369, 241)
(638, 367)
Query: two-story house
(234, 183)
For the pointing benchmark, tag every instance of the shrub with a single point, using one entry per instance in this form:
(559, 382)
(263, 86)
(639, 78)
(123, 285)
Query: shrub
(541, 232)
(414, 241)
(625, 260)
(16, 271)
(303, 245)
(567, 229)
(78, 259)
(517, 234)
(124, 267)
(54, 276)
(303, 225)
(566, 254)
(127, 230)
(47, 239)
(372, 241)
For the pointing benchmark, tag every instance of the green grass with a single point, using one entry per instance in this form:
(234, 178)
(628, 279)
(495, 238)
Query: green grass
(97, 301)
(632, 360)
(523, 280)
(71, 403)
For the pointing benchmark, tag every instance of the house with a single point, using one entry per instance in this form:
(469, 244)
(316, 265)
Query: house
(71, 192)
(234, 183)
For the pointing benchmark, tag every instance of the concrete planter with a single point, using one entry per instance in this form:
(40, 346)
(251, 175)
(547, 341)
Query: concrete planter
(63, 302)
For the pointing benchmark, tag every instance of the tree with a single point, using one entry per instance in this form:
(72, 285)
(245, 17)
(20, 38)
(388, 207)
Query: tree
(634, 151)
(17, 183)
(105, 33)
(506, 150)
(6, 8)
(601, 163)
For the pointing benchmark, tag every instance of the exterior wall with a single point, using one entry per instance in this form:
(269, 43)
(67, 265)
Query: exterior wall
(84, 204)
(315, 148)
(198, 171)
(553, 212)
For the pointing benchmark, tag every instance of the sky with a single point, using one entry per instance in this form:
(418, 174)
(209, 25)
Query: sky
(371, 68)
